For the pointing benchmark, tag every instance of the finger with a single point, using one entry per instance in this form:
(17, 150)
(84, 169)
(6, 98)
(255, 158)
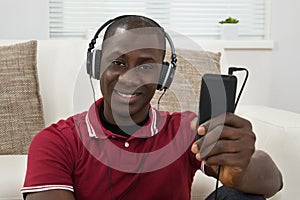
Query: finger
(206, 144)
(201, 130)
(213, 123)
(223, 139)
(229, 159)
(228, 141)
(194, 123)
(229, 133)
(229, 119)
(222, 146)
(197, 145)
(209, 141)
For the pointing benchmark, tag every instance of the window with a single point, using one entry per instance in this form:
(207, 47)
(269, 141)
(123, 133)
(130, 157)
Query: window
(193, 18)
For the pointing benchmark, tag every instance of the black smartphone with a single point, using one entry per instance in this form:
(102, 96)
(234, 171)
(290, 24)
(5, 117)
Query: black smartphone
(217, 96)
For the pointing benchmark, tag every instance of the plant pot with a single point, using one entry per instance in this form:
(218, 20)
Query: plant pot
(229, 31)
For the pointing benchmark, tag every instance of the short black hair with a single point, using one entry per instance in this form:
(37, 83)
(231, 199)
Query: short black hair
(130, 22)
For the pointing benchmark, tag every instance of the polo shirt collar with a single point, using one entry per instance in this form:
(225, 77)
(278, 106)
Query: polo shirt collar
(96, 129)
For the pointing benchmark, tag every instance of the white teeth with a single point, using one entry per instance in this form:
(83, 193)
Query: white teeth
(125, 95)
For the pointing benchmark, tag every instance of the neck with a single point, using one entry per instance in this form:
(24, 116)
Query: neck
(126, 119)
(125, 131)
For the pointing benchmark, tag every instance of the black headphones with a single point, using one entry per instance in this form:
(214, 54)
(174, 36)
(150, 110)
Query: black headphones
(93, 62)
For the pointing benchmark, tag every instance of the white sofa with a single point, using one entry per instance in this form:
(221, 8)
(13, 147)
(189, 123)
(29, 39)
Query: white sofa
(60, 70)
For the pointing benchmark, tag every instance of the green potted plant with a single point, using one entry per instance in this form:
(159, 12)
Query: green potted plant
(229, 28)
(229, 20)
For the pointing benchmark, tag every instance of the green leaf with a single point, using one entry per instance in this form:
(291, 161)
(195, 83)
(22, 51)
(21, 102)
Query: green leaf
(229, 20)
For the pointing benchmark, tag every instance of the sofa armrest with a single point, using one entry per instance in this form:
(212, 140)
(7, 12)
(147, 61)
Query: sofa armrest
(278, 133)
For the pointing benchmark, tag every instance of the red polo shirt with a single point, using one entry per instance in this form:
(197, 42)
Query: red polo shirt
(80, 155)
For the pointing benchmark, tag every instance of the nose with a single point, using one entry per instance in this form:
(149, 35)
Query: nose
(130, 78)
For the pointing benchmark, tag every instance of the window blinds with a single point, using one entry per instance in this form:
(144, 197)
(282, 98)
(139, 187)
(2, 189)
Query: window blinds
(193, 18)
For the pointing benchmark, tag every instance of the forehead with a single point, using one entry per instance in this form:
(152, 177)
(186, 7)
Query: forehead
(124, 41)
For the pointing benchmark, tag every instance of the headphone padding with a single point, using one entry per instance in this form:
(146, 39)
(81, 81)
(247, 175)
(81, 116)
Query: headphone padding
(89, 63)
(97, 63)
(93, 63)
(166, 76)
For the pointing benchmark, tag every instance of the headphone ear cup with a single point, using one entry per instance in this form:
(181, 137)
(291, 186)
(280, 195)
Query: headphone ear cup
(89, 63)
(97, 63)
(166, 76)
(93, 63)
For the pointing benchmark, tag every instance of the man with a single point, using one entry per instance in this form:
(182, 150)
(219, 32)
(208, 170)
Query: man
(122, 148)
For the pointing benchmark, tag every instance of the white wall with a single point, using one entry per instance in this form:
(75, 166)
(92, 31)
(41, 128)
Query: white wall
(274, 73)
(285, 57)
(24, 19)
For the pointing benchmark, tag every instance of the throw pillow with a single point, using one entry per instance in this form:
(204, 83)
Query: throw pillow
(184, 91)
(21, 115)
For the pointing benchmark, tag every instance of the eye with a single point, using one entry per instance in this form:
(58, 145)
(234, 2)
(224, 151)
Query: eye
(146, 67)
(118, 63)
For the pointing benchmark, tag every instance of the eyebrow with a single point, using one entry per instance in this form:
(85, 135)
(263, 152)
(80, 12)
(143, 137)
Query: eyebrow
(118, 54)
(146, 58)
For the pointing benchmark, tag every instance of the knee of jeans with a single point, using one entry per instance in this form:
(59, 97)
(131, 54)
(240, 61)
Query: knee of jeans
(225, 193)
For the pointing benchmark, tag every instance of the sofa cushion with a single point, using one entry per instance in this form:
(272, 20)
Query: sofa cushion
(21, 114)
(184, 91)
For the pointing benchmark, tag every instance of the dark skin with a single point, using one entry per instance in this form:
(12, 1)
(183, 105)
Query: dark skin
(129, 75)
(243, 168)
(51, 194)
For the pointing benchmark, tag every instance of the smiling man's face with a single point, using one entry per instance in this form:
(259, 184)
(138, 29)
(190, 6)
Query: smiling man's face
(130, 68)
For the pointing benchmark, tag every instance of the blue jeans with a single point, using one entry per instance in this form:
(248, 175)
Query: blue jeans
(225, 193)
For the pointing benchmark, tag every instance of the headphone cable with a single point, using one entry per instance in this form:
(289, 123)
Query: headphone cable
(160, 97)
(93, 90)
(230, 72)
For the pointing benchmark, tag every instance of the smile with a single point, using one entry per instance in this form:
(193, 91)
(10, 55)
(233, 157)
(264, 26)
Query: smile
(126, 95)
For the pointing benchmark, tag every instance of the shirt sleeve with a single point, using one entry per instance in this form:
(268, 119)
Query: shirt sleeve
(196, 164)
(50, 160)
